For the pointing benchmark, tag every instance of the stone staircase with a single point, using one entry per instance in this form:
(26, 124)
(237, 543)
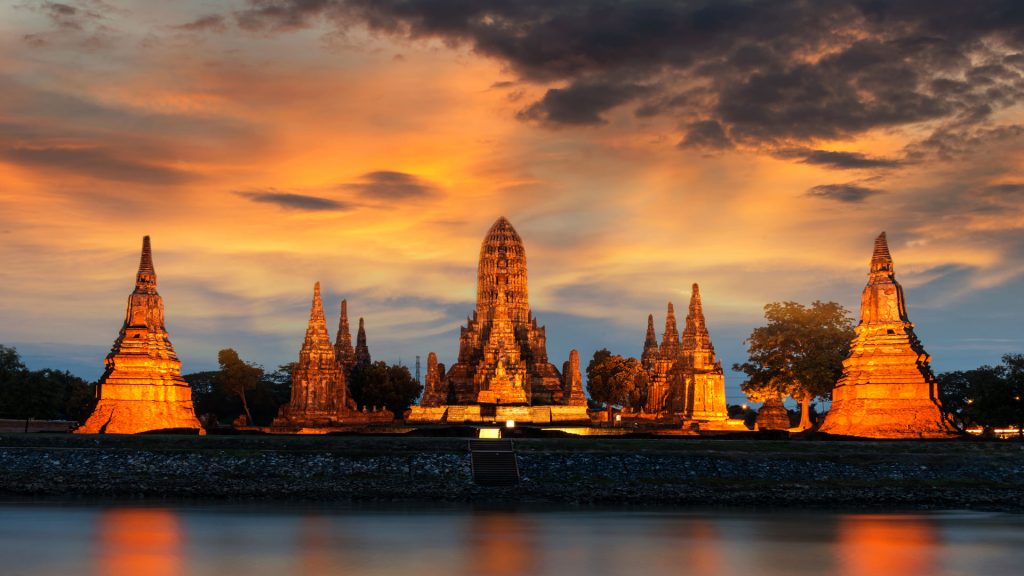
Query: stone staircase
(494, 463)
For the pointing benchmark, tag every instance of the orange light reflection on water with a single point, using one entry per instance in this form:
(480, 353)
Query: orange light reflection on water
(869, 545)
(135, 542)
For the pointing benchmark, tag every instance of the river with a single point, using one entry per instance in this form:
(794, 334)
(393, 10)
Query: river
(253, 540)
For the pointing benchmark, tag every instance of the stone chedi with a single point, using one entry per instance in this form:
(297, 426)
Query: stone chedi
(343, 350)
(503, 370)
(773, 415)
(142, 389)
(887, 389)
(319, 394)
(686, 378)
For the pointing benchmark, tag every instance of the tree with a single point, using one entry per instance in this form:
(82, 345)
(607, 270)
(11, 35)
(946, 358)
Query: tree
(987, 396)
(44, 394)
(377, 384)
(237, 377)
(615, 380)
(799, 353)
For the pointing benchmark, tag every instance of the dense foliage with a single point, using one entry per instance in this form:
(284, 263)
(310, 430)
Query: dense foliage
(379, 385)
(614, 380)
(41, 394)
(987, 396)
(798, 353)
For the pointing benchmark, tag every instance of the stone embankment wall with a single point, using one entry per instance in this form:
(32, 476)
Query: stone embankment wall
(569, 471)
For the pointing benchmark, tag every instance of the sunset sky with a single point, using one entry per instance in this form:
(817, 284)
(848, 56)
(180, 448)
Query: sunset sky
(637, 146)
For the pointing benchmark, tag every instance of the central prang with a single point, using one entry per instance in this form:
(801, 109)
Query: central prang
(503, 357)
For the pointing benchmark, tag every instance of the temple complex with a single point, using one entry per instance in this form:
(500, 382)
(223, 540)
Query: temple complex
(319, 395)
(142, 389)
(502, 372)
(686, 381)
(887, 389)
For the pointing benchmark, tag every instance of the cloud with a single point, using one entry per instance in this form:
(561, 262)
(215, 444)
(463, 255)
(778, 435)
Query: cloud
(837, 160)
(706, 134)
(96, 163)
(209, 23)
(291, 201)
(390, 185)
(580, 103)
(849, 193)
(774, 70)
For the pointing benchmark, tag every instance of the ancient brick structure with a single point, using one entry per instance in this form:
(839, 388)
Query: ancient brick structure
(343, 350)
(503, 361)
(686, 380)
(142, 389)
(434, 391)
(773, 415)
(573, 381)
(319, 395)
(362, 350)
(887, 389)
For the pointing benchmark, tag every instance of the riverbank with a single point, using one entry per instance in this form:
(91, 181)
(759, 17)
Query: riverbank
(670, 471)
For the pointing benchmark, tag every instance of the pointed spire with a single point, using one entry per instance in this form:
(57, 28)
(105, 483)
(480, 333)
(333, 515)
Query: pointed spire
(343, 350)
(362, 350)
(670, 338)
(695, 348)
(316, 312)
(146, 277)
(652, 339)
(881, 260)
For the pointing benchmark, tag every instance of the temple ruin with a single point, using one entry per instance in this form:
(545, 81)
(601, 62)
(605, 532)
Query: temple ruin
(142, 389)
(687, 382)
(503, 372)
(319, 395)
(887, 389)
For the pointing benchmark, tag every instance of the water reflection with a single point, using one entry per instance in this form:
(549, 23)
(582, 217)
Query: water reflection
(501, 544)
(40, 540)
(876, 544)
(135, 541)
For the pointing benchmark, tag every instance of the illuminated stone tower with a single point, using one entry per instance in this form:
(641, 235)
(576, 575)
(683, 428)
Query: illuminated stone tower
(503, 355)
(142, 389)
(703, 381)
(887, 389)
(319, 394)
(686, 380)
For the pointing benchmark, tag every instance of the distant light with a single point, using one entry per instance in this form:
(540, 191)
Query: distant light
(618, 417)
(490, 433)
(745, 407)
(970, 400)
(510, 423)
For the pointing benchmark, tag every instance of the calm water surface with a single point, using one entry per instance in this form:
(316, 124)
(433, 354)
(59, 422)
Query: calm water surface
(45, 539)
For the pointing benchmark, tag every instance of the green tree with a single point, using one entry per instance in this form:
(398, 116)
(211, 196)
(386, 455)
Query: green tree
(237, 377)
(380, 385)
(987, 396)
(44, 394)
(615, 380)
(799, 353)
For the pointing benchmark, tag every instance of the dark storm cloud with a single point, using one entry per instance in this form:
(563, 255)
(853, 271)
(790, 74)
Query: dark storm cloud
(849, 193)
(291, 201)
(389, 185)
(95, 163)
(774, 70)
(837, 160)
(581, 103)
(706, 134)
